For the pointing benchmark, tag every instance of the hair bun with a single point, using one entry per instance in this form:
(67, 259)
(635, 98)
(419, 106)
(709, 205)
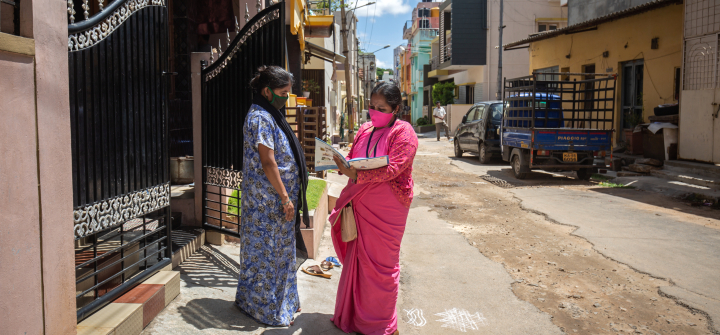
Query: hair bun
(270, 76)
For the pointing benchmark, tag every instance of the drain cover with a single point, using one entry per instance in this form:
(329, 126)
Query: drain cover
(497, 181)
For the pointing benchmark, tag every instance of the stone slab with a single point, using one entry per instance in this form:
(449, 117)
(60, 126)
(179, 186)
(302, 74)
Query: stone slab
(151, 296)
(171, 280)
(214, 238)
(121, 317)
(95, 331)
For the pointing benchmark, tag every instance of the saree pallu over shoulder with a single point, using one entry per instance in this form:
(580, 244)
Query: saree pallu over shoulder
(402, 146)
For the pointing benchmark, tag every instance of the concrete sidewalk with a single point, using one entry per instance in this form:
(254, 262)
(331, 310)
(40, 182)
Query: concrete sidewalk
(447, 286)
(208, 284)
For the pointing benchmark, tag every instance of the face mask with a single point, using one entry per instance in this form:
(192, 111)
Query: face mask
(277, 101)
(380, 119)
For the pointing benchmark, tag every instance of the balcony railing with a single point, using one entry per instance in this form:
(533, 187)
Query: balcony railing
(448, 52)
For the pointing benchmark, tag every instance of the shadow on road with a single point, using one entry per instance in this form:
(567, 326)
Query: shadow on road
(308, 323)
(500, 169)
(208, 313)
(210, 268)
(660, 200)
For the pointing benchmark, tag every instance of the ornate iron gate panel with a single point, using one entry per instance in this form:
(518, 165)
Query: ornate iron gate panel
(121, 188)
(226, 98)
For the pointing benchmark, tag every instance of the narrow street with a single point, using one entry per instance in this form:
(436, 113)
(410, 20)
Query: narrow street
(594, 260)
(550, 255)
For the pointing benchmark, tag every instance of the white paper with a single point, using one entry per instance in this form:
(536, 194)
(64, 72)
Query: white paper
(324, 159)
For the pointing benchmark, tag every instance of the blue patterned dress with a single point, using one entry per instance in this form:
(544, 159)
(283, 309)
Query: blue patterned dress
(267, 287)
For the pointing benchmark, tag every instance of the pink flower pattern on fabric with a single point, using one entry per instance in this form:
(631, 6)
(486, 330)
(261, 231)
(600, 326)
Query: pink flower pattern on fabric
(402, 146)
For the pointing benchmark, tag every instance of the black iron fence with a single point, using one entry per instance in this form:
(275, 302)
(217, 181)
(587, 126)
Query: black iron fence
(226, 99)
(118, 110)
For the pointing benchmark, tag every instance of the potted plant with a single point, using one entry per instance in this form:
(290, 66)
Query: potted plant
(633, 139)
(310, 86)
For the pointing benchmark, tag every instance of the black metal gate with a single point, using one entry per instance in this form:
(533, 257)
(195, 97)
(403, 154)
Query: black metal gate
(226, 98)
(121, 185)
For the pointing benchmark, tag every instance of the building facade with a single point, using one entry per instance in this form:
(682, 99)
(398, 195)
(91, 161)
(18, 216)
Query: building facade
(646, 61)
(419, 32)
(466, 50)
(699, 133)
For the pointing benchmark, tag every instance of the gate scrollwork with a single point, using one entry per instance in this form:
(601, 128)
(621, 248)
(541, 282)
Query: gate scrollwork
(114, 211)
(88, 38)
(223, 62)
(223, 177)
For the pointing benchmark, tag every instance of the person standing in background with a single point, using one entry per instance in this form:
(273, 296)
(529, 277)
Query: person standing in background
(439, 114)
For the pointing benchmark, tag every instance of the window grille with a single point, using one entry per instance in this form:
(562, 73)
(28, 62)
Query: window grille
(701, 17)
(701, 62)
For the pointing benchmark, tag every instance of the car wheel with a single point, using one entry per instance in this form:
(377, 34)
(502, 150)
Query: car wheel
(483, 153)
(458, 152)
(516, 168)
(584, 174)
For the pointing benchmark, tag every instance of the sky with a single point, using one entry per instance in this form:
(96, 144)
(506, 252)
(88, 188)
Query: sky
(381, 24)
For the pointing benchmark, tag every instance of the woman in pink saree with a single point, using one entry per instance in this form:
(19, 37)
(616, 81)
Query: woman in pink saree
(368, 289)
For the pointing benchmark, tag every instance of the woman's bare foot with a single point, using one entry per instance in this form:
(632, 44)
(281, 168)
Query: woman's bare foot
(397, 332)
(299, 310)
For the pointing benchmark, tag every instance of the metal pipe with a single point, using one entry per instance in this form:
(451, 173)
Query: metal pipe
(500, 50)
(348, 93)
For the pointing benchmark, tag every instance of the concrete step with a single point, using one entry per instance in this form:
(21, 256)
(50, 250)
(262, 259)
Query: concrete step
(708, 171)
(688, 178)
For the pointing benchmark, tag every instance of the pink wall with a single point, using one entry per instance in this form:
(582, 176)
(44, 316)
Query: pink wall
(37, 277)
(20, 270)
(55, 170)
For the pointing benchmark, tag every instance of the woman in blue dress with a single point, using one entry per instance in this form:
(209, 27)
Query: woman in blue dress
(273, 191)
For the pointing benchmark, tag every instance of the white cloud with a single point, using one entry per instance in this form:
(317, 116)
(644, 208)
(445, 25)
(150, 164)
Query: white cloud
(381, 64)
(382, 7)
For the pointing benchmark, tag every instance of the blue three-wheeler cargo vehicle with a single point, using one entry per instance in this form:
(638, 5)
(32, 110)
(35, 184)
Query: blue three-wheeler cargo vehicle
(557, 122)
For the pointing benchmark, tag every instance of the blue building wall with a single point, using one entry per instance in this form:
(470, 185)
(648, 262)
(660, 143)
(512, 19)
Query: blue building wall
(420, 56)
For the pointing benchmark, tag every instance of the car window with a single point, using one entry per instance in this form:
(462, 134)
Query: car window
(480, 112)
(470, 114)
(496, 113)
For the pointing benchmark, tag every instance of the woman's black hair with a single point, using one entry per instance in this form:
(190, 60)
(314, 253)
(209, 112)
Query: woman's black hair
(391, 93)
(271, 76)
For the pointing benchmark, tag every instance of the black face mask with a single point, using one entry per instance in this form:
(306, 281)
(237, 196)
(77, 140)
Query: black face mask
(277, 101)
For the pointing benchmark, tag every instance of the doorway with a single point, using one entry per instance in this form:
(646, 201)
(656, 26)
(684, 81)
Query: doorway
(632, 93)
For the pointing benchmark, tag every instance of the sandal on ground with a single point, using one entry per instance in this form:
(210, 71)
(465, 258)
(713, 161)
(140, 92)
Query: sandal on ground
(315, 270)
(334, 261)
(325, 265)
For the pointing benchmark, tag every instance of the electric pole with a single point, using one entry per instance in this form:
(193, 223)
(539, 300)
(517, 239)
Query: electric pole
(500, 50)
(348, 91)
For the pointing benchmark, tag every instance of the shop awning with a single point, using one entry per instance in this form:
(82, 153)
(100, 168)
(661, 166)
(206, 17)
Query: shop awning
(312, 49)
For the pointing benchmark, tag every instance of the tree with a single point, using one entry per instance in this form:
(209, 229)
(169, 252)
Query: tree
(332, 5)
(381, 71)
(444, 92)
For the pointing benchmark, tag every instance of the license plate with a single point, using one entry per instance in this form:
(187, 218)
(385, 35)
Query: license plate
(569, 157)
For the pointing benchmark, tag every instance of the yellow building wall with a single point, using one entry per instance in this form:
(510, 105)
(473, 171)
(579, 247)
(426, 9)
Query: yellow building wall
(625, 39)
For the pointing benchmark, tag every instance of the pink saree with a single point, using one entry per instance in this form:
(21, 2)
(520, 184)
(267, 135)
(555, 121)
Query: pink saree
(369, 283)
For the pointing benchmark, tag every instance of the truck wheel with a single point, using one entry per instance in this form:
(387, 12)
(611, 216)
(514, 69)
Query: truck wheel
(584, 174)
(458, 152)
(516, 168)
(483, 154)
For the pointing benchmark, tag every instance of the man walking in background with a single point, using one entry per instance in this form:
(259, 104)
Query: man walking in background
(439, 114)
